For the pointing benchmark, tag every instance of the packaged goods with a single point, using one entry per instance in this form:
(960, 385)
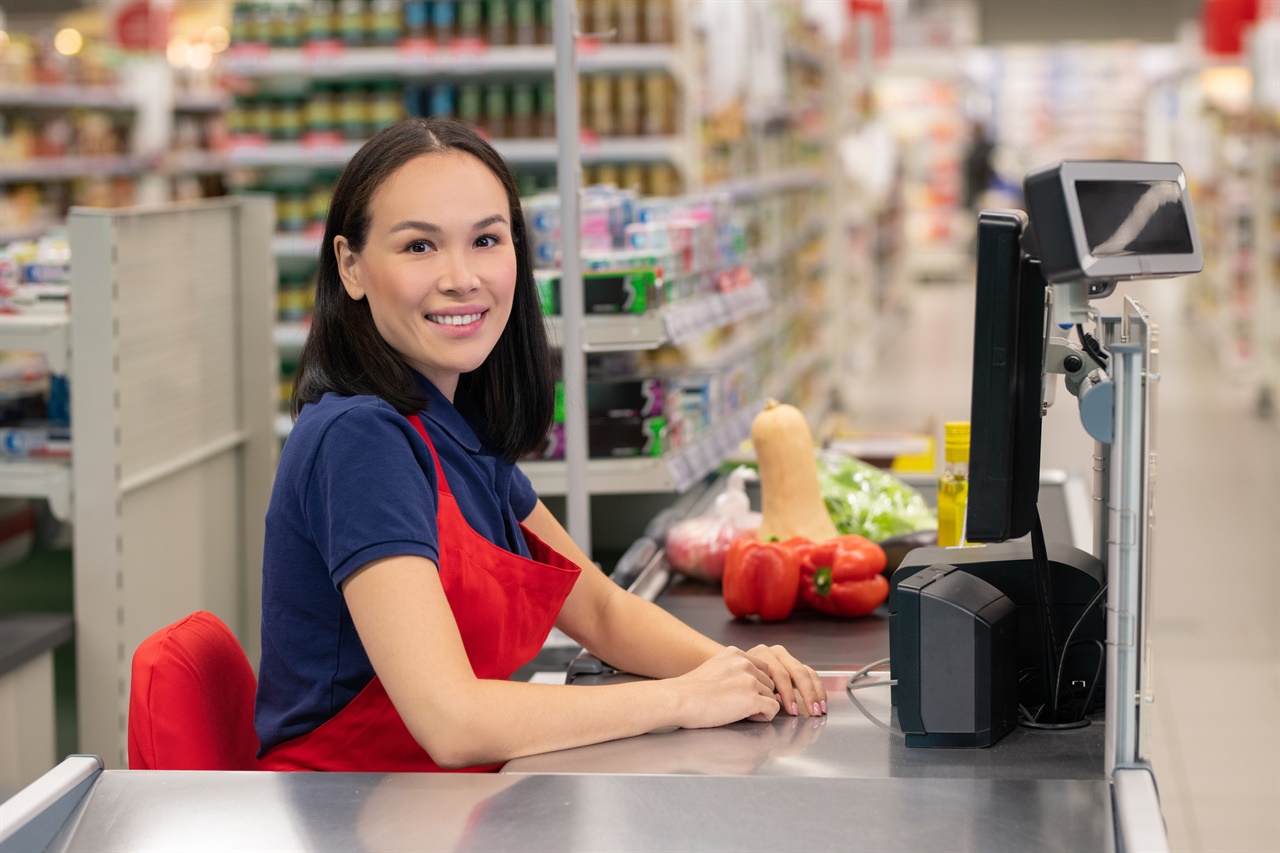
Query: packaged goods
(444, 20)
(320, 23)
(351, 22)
(497, 14)
(698, 546)
(524, 21)
(496, 109)
(470, 14)
(522, 110)
(417, 17)
(385, 22)
(861, 498)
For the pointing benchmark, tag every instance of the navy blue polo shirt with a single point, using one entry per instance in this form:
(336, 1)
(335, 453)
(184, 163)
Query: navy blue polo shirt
(357, 483)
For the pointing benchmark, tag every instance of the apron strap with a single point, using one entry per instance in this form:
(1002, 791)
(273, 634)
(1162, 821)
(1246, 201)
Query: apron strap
(417, 422)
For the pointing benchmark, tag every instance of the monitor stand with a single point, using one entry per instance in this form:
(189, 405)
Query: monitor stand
(1008, 566)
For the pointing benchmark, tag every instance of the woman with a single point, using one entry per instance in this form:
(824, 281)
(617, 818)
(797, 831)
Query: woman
(409, 566)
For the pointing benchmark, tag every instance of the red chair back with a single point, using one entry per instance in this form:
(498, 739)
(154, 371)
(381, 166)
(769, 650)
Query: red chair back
(191, 699)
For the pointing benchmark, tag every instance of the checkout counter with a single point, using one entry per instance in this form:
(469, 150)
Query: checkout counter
(844, 781)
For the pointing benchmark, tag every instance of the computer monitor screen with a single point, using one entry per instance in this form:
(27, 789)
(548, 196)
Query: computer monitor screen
(1111, 220)
(1005, 407)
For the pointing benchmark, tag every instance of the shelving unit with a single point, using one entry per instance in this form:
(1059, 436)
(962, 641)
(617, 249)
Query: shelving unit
(144, 109)
(781, 312)
(174, 450)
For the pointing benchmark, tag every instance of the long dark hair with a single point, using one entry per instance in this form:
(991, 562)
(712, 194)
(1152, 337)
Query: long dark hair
(514, 388)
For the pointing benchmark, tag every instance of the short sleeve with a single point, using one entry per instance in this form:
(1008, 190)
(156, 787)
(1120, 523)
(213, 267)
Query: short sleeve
(523, 496)
(368, 495)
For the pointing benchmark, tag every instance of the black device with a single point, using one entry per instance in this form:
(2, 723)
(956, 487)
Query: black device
(955, 659)
(1007, 566)
(1107, 220)
(1008, 382)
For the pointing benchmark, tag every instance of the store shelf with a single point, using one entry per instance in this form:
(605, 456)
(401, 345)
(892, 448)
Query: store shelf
(409, 62)
(675, 472)
(48, 480)
(46, 333)
(201, 102)
(70, 168)
(290, 337)
(300, 246)
(65, 97)
(634, 149)
(29, 231)
(195, 163)
(625, 332)
(747, 189)
(675, 324)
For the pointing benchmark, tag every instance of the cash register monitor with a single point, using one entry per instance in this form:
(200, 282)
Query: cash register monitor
(1090, 223)
(1106, 221)
(1004, 417)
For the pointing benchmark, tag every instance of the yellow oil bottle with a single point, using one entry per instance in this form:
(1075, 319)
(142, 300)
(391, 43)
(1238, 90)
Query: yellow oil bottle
(953, 485)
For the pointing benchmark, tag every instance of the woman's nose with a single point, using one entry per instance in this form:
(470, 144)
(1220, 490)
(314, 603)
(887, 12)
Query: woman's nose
(459, 274)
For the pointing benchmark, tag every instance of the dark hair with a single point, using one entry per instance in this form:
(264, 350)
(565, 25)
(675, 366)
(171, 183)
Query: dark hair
(513, 389)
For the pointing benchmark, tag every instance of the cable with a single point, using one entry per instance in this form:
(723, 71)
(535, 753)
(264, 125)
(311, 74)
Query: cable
(1070, 635)
(850, 686)
(1044, 594)
(865, 671)
(1090, 344)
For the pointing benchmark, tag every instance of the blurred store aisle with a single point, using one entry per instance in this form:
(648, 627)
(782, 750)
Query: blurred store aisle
(1215, 743)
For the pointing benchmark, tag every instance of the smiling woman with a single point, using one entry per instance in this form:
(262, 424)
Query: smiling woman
(409, 566)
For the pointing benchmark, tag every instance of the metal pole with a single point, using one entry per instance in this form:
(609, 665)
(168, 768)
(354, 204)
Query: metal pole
(569, 175)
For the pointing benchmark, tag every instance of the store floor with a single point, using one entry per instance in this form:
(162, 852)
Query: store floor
(1214, 742)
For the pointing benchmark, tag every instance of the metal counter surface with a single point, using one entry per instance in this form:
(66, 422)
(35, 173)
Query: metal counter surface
(166, 810)
(856, 739)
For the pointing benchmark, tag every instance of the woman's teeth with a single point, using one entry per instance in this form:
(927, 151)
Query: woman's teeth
(454, 319)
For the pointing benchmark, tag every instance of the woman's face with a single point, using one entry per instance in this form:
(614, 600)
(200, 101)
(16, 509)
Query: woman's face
(439, 265)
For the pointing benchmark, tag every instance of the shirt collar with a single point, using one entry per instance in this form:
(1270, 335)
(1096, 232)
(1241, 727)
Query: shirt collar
(446, 416)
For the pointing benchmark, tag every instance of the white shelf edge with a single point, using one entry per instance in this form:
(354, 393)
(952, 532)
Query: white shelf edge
(285, 245)
(745, 189)
(406, 63)
(65, 96)
(46, 333)
(50, 480)
(289, 337)
(647, 149)
(674, 472)
(70, 168)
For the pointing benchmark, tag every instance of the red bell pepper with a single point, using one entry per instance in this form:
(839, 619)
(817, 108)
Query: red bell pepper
(842, 576)
(761, 578)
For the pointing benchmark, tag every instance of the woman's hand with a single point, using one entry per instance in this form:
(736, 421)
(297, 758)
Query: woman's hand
(796, 686)
(732, 685)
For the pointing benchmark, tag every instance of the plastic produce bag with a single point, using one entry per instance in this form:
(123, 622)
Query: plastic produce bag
(869, 501)
(697, 546)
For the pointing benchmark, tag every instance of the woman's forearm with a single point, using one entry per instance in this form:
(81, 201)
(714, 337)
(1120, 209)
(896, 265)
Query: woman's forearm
(637, 636)
(496, 721)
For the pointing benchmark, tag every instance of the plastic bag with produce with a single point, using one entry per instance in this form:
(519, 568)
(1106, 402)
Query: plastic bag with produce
(697, 546)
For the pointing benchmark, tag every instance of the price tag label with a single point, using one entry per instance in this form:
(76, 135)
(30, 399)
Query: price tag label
(414, 47)
(323, 50)
(589, 140)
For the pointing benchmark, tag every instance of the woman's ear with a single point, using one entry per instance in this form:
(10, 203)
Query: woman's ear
(348, 268)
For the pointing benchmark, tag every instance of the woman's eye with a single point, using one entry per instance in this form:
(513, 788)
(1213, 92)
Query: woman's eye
(487, 241)
(418, 247)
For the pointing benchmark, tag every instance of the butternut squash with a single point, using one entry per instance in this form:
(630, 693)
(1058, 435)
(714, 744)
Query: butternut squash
(790, 496)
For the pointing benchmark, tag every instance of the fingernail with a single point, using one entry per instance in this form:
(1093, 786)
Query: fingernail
(824, 706)
(794, 710)
(816, 710)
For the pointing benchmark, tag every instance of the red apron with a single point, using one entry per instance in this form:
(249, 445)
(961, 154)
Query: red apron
(505, 606)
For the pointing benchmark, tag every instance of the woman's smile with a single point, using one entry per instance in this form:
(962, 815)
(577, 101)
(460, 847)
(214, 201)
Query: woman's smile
(459, 325)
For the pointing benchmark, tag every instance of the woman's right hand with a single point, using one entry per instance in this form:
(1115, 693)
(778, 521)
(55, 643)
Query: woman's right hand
(731, 686)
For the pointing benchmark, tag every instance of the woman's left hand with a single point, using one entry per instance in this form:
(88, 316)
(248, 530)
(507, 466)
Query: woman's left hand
(797, 686)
